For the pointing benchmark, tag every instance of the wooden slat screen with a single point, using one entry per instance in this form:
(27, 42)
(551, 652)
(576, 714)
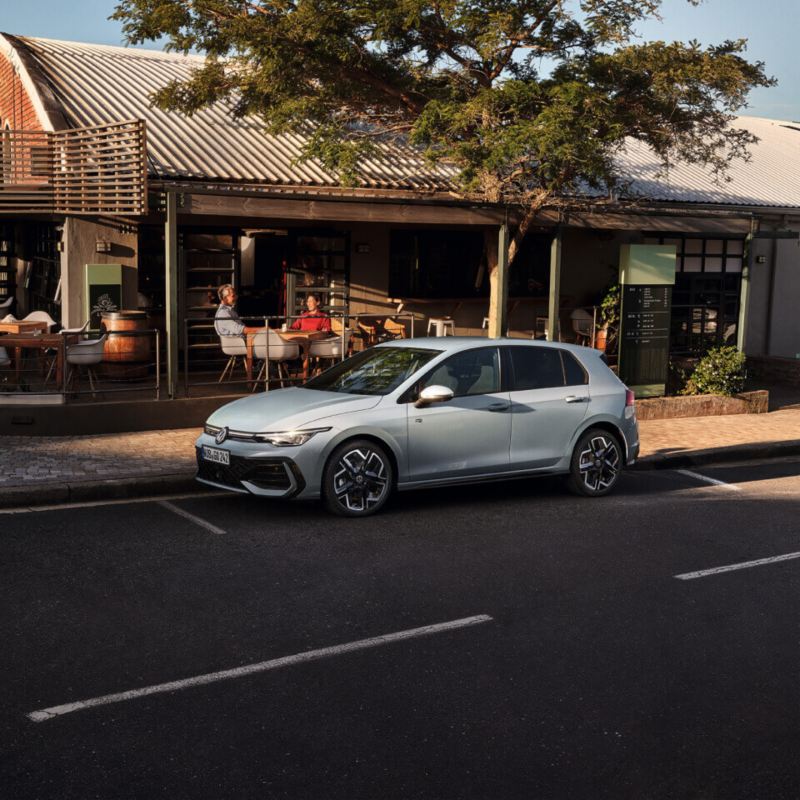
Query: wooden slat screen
(97, 170)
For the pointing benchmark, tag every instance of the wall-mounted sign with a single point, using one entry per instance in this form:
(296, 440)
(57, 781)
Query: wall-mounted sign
(103, 291)
(647, 274)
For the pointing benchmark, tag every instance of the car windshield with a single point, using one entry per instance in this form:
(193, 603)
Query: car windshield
(379, 370)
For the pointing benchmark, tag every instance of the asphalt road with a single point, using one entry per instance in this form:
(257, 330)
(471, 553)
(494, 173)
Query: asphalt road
(591, 671)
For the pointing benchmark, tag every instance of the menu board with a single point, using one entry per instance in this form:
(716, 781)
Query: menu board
(644, 341)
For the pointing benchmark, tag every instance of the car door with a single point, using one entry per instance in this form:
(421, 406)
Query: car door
(468, 435)
(549, 392)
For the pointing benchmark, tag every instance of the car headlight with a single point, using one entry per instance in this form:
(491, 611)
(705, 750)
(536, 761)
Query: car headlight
(289, 438)
(211, 430)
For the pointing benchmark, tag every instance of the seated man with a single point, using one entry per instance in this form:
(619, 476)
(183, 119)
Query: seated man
(226, 321)
(313, 319)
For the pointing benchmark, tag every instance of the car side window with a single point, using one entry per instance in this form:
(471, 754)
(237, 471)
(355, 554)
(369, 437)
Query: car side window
(471, 372)
(574, 373)
(535, 368)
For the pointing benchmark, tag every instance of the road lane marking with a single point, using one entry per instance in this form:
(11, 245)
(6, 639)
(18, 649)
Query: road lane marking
(116, 502)
(688, 576)
(713, 481)
(264, 666)
(191, 517)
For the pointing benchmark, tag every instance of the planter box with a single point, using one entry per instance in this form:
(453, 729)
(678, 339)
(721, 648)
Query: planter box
(702, 405)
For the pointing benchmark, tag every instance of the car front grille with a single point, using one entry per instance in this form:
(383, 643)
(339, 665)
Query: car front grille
(265, 473)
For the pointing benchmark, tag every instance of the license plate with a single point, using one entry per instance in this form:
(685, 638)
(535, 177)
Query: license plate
(216, 455)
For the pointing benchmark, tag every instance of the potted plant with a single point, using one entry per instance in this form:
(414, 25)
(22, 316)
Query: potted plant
(606, 334)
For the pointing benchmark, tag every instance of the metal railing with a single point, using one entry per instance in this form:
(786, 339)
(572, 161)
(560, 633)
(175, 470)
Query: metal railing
(203, 357)
(31, 377)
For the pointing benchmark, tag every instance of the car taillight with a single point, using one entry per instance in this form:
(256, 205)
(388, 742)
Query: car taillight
(630, 403)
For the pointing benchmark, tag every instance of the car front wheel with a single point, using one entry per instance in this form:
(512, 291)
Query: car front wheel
(358, 479)
(596, 464)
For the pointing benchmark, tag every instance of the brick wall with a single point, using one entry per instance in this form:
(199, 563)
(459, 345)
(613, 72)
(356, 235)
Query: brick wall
(16, 107)
(774, 369)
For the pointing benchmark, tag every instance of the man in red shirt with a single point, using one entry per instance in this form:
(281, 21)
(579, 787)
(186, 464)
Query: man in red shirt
(314, 319)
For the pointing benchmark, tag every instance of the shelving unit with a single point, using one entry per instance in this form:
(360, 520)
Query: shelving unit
(321, 265)
(45, 270)
(8, 275)
(208, 260)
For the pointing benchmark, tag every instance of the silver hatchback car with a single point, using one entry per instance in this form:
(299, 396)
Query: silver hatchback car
(428, 412)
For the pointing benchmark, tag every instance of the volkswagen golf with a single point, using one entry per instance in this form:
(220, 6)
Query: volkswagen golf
(429, 412)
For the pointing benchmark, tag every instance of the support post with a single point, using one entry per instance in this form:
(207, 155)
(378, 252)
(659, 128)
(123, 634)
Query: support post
(744, 295)
(498, 286)
(171, 286)
(553, 302)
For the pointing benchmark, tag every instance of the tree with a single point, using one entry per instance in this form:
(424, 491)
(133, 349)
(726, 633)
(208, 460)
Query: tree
(530, 100)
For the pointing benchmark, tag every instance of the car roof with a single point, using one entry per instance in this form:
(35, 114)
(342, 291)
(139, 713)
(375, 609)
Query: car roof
(454, 344)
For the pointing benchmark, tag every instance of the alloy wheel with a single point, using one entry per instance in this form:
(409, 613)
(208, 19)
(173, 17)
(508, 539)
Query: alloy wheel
(360, 479)
(599, 463)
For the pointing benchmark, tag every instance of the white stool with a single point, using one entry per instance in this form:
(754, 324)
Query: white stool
(441, 326)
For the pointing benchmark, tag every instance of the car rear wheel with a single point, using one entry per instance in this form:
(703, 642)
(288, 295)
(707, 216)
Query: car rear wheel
(596, 464)
(358, 479)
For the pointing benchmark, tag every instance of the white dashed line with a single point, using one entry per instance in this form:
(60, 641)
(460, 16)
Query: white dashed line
(191, 517)
(116, 502)
(713, 481)
(250, 669)
(703, 573)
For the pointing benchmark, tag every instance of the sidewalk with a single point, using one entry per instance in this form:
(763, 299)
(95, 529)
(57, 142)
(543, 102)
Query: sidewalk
(43, 470)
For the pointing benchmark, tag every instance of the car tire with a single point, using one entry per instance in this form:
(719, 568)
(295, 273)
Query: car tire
(358, 479)
(596, 464)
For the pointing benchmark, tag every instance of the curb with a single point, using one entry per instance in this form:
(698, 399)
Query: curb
(718, 455)
(55, 493)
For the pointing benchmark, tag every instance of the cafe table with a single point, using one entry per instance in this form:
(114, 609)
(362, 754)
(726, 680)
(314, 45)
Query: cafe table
(23, 326)
(17, 342)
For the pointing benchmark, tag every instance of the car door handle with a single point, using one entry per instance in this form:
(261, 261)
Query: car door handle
(573, 398)
(499, 406)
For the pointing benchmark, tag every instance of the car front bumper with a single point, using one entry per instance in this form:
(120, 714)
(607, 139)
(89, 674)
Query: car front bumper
(264, 470)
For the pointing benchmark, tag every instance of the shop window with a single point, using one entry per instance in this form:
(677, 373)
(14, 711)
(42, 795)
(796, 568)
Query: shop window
(431, 264)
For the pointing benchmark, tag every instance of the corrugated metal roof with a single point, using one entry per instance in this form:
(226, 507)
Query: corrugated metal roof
(97, 84)
(770, 178)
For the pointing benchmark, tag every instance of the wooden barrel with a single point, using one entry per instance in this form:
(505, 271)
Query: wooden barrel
(126, 356)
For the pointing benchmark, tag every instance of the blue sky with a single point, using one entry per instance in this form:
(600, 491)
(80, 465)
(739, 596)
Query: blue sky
(771, 26)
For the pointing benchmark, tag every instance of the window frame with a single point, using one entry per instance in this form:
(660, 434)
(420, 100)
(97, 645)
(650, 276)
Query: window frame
(411, 395)
(562, 353)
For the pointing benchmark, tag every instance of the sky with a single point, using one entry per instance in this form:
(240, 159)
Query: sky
(771, 27)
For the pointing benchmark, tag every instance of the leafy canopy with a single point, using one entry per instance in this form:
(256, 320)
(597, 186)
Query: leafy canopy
(526, 98)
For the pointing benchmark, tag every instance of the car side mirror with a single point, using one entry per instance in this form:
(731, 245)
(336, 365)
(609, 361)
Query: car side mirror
(433, 394)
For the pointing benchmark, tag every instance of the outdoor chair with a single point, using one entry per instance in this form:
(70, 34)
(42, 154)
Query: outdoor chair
(85, 355)
(582, 326)
(279, 352)
(329, 349)
(441, 326)
(540, 331)
(76, 332)
(41, 316)
(235, 347)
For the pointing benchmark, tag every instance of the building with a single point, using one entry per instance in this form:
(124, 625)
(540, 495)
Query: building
(92, 174)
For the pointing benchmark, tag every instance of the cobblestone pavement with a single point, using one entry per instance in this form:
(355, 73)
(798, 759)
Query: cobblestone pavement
(27, 459)
(692, 434)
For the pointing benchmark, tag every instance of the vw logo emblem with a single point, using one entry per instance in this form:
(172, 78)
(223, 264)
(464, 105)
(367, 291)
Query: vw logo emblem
(221, 436)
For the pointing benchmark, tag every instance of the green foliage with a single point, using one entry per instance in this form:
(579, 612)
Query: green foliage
(720, 371)
(526, 98)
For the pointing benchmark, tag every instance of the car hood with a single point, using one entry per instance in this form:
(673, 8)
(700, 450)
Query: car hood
(287, 409)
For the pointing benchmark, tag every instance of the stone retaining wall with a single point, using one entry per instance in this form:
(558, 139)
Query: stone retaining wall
(702, 405)
(772, 369)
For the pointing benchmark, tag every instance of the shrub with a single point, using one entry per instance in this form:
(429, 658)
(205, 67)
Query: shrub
(721, 371)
